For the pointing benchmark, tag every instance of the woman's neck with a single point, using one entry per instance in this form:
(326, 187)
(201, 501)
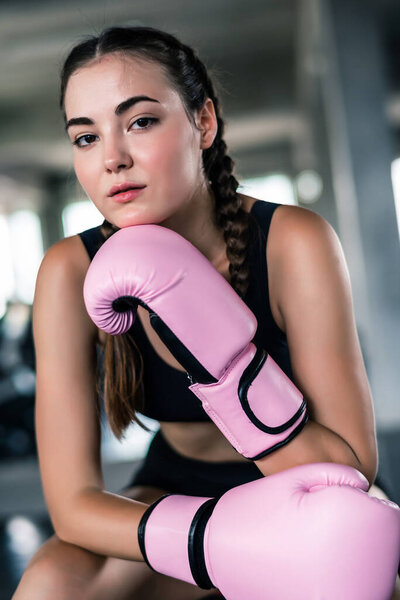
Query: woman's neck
(196, 223)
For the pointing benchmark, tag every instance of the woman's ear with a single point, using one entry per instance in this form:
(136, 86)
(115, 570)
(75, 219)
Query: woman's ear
(207, 123)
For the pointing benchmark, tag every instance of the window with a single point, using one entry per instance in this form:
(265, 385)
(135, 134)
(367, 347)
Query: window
(79, 216)
(396, 189)
(274, 188)
(22, 250)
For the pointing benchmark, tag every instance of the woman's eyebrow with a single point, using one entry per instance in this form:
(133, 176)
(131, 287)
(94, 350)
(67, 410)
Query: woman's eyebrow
(119, 110)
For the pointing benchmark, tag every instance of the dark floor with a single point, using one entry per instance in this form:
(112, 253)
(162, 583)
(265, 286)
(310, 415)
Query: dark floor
(24, 524)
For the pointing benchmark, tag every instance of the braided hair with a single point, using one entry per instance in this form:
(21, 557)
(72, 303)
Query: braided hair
(123, 365)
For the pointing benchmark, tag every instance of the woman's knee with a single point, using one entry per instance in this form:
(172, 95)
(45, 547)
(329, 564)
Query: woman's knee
(62, 567)
(376, 491)
(58, 570)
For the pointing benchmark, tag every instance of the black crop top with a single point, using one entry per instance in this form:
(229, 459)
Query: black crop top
(167, 397)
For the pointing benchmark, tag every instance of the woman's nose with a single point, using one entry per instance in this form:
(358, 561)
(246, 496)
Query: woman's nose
(117, 156)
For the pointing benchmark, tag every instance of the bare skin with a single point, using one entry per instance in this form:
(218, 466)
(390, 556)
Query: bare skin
(94, 553)
(60, 570)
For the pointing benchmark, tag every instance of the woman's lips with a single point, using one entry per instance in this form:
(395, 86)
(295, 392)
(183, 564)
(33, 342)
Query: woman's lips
(127, 195)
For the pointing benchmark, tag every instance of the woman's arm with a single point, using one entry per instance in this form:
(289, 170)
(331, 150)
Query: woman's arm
(67, 426)
(313, 292)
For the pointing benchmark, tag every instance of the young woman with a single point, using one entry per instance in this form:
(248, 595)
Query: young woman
(141, 112)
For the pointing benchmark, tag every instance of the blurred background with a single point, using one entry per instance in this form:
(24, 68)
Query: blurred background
(311, 97)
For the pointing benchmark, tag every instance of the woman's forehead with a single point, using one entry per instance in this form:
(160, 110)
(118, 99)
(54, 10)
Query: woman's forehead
(124, 69)
(113, 75)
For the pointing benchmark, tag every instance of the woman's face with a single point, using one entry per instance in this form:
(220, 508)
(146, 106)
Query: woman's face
(148, 143)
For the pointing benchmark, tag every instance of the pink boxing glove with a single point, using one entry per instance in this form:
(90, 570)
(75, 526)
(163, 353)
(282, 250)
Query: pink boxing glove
(309, 532)
(206, 326)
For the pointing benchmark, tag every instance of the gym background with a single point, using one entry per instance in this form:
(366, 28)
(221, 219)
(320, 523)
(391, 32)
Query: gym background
(311, 97)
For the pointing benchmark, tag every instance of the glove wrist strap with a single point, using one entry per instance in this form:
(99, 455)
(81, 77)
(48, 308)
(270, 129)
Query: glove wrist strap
(255, 404)
(171, 537)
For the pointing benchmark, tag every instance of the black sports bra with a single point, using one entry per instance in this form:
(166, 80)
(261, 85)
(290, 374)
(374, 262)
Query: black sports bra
(166, 393)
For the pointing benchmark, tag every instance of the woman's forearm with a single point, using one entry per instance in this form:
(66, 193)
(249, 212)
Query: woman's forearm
(315, 443)
(107, 524)
(104, 523)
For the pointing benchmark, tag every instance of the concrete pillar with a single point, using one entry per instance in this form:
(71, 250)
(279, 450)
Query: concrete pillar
(361, 151)
(53, 202)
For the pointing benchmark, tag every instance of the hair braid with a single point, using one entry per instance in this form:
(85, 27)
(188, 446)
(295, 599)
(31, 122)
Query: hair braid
(230, 216)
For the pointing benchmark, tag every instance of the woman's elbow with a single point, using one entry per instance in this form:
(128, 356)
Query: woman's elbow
(369, 468)
(60, 526)
(62, 519)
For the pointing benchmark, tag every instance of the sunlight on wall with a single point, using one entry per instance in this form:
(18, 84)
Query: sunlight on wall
(6, 269)
(27, 251)
(273, 188)
(78, 216)
(396, 188)
(22, 250)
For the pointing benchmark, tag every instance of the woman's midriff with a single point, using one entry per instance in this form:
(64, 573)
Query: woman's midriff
(200, 441)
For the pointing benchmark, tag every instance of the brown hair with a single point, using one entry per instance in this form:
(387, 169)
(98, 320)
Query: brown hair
(124, 393)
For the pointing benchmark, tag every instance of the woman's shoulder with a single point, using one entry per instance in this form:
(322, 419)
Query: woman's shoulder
(296, 235)
(300, 241)
(289, 220)
(59, 292)
(247, 202)
(297, 232)
(66, 259)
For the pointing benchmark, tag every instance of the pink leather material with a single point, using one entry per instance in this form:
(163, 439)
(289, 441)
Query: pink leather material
(166, 535)
(272, 397)
(178, 283)
(308, 533)
(311, 532)
(173, 279)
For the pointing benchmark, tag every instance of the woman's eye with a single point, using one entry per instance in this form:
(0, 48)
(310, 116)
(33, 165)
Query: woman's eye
(143, 122)
(88, 138)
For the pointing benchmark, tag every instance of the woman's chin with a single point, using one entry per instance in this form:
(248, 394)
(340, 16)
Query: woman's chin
(124, 219)
(122, 223)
